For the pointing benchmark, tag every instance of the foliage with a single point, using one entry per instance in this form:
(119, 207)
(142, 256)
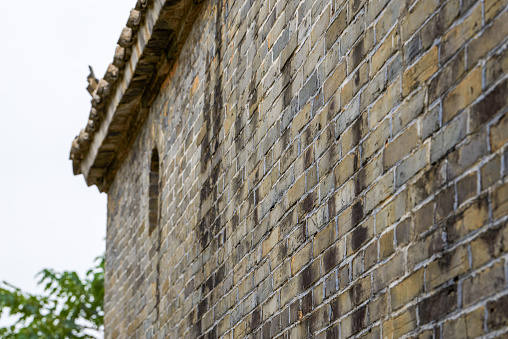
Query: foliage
(69, 308)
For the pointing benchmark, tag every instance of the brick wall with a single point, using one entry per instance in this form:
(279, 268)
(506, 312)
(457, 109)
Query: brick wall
(329, 169)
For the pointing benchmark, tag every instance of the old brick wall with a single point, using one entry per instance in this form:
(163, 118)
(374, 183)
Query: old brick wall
(328, 168)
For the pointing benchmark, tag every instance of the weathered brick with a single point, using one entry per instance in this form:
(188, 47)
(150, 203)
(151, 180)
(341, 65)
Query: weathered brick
(451, 265)
(386, 247)
(408, 111)
(334, 81)
(466, 326)
(401, 324)
(496, 67)
(448, 76)
(388, 272)
(420, 71)
(465, 156)
(499, 133)
(448, 137)
(375, 140)
(484, 283)
(438, 305)
(416, 17)
(454, 39)
(461, 96)
(488, 40)
(490, 172)
(407, 290)
(386, 103)
(470, 219)
(301, 258)
(497, 313)
(400, 146)
(385, 51)
(500, 201)
(324, 239)
(336, 28)
(485, 109)
(439, 23)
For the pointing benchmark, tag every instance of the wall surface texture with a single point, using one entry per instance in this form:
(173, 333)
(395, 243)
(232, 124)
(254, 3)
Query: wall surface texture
(328, 169)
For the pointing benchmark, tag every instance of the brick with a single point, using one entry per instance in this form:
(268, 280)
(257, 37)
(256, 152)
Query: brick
(467, 187)
(410, 166)
(462, 95)
(490, 172)
(392, 212)
(345, 169)
(366, 176)
(468, 220)
(400, 147)
(466, 326)
(440, 23)
(488, 40)
(483, 284)
(407, 290)
(499, 133)
(495, 67)
(444, 202)
(388, 272)
(416, 16)
(448, 137)
(497, 313)
(468, 154)
(353, 85)
(424, 218)
(375, 140)
(350, 138)
(309, 89)
(378, 307)
(493, 102)
(500, 201)
(301, 258)
(386, 247)
(336, 28)
(422, 70)
(401, 324)
(320, 26)
(403, 232)
(454, 39)
(393, 10)
(408, 111)
(296, 191)
(387, 101)
(360, 236)
(451, 265)
(334, 81)
(448, 76)
(324, 239)
(379, 192)
(360, 50)
(385, 51)
(354, 322)
(373, 89)
(438, 305)
(350, 218)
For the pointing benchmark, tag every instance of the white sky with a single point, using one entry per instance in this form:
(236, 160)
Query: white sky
(48, 217)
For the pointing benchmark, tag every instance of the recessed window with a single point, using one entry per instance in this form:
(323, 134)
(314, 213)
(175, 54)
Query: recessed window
(153, 191)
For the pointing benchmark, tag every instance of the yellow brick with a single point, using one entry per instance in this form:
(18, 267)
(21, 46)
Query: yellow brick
(421, 71)
(407, 289)
(461, 96)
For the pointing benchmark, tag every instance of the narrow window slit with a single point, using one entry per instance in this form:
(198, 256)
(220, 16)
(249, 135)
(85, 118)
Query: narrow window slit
(153, 192)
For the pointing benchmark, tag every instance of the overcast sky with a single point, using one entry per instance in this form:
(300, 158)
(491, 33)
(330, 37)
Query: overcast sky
(48, 217)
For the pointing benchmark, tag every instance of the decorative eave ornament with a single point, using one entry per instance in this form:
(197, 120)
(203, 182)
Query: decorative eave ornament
(146, 50)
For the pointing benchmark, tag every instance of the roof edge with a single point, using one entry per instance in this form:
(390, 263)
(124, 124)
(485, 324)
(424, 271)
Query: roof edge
(146, 51)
